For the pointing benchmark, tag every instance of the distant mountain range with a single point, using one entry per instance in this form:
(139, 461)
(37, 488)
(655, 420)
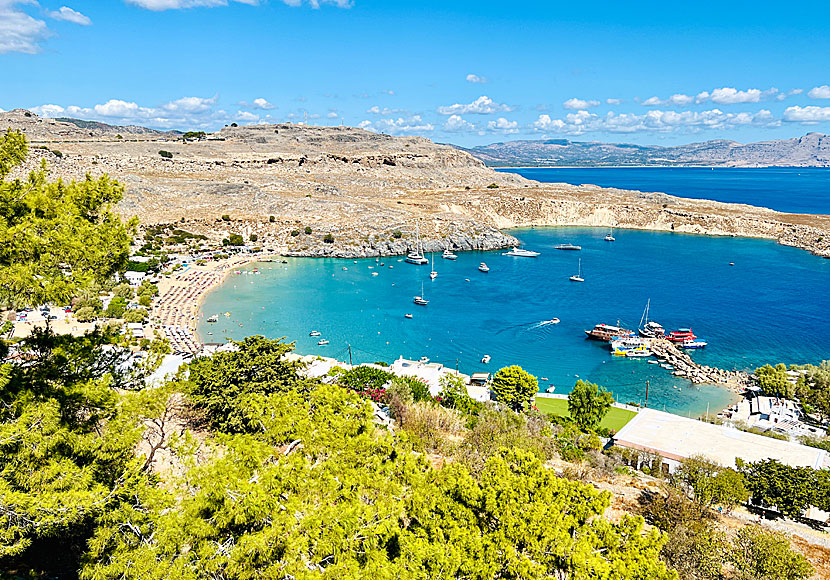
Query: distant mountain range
(811, 150)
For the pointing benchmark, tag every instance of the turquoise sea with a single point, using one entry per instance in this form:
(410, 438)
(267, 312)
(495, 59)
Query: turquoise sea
(788, 189)
(772, 305)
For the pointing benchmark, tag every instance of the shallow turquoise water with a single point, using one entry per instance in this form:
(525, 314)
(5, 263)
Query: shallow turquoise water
(771, 306)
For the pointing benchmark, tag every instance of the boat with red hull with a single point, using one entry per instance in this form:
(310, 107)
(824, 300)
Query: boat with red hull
(607, 332)
(681, 335)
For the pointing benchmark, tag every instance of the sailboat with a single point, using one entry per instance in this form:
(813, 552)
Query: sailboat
(420, 300)
(649, 329)
(417, 257)
(578, 277)
(433, 275)
(609, 237)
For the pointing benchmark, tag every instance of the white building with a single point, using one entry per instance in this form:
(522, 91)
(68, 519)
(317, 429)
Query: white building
(134, 278)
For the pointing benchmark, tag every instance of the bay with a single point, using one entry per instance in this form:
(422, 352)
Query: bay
(771, 306)
(787, 189)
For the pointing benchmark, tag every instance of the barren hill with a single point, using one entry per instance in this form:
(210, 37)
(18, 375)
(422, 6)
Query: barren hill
(811, 150)
(366, 189)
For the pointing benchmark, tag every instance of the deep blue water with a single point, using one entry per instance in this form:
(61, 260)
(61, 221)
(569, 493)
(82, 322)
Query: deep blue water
(787, 189)
(771, 306)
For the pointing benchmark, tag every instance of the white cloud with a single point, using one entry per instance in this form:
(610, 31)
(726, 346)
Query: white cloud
(385, 111)
(676, 100)
(502, 125)
(414, 124)
(191, 104)
(658, 121)
(246, 116)
(118, 108)
(19, 32)
(261, 103)
(160, 5)
(731, 96)
(576, 104)
(48, 110)
(822, 92)
(456, 124)
(483, 105)
(475, 79)
(332, 115)
(807, 115)
(68, 15)
(613, 101)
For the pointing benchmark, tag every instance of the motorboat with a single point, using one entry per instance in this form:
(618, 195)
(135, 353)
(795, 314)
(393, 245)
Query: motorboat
(322, 342)
(374, 273)
(485, 359)
(213, 318)
(640, 351)
(314, 333)
(521, 253)
(567, 247)
(424, 360)
(551, 321)
(448, 255)
(483, 267)
(693, 344)
(607, 332)
(578, 276)
(407, 315)
(609, 237)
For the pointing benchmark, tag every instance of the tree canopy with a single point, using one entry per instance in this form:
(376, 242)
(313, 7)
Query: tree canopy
(588, 403)
(515, 387)
(55, 237)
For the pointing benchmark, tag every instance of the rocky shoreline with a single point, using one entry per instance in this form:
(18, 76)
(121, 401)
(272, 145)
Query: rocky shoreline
(687, 368)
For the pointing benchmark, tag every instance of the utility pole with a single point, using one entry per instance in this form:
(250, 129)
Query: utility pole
(350, 355)
(646, 405)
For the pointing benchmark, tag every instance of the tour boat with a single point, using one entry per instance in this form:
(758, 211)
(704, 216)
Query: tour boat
(433, 274)
(483, 267)
(578, 276)
(322, 342)
(314, 333)
(519, 252)
(681, 335)
(213, 318)
(448, 255)
(607, 333)
(693, 343)
(649, 329)
(567, 247)
(407, 315)
(417, 256)
(485, 359)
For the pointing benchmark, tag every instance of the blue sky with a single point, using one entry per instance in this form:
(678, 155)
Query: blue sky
(466, 72)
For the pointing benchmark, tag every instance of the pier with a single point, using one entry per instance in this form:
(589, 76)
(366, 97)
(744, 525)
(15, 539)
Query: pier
(686, 367)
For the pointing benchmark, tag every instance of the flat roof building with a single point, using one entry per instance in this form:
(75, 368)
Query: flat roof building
(676, 438)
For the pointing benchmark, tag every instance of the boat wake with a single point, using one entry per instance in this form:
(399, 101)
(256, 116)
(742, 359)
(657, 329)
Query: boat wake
(543, 323)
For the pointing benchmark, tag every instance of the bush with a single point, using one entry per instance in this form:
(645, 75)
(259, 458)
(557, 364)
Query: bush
(307, 230)
(368, 382)
(166, 154)
(124, 291)
(272, 219)
(454, 396)
(226, 218)
(295, 233)
(432, 426)
(135, 315)
(145, 300)
(85, 314)
(57, 153)
(492, 186)
(254, 237)
(328, 238)
(116, 308)
(236, 240)
(397, 234)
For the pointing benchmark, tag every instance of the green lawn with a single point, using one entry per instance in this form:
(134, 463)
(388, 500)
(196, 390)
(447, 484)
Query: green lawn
(615, 419)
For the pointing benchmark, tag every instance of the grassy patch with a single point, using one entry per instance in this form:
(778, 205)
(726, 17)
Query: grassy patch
(615, 419)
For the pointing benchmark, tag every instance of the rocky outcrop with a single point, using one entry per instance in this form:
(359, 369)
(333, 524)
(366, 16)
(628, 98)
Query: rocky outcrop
(685, 367)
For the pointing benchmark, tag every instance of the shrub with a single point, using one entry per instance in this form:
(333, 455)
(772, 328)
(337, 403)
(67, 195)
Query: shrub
(295, 233)
(328, 238)
(135, 315)
(166, 154)
(57, 153)
(397, 234)
(116, 308)
(254, 237)
(124, 291)
(454, 396)
(145, 300)
(236, 240)
(492, 186)
(272, 219)
(432, 426)
(226, 218)
(307, 230)
(85, 314)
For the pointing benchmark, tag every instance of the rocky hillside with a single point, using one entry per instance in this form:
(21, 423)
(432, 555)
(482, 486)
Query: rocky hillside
(366, 190)
(811, 150)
